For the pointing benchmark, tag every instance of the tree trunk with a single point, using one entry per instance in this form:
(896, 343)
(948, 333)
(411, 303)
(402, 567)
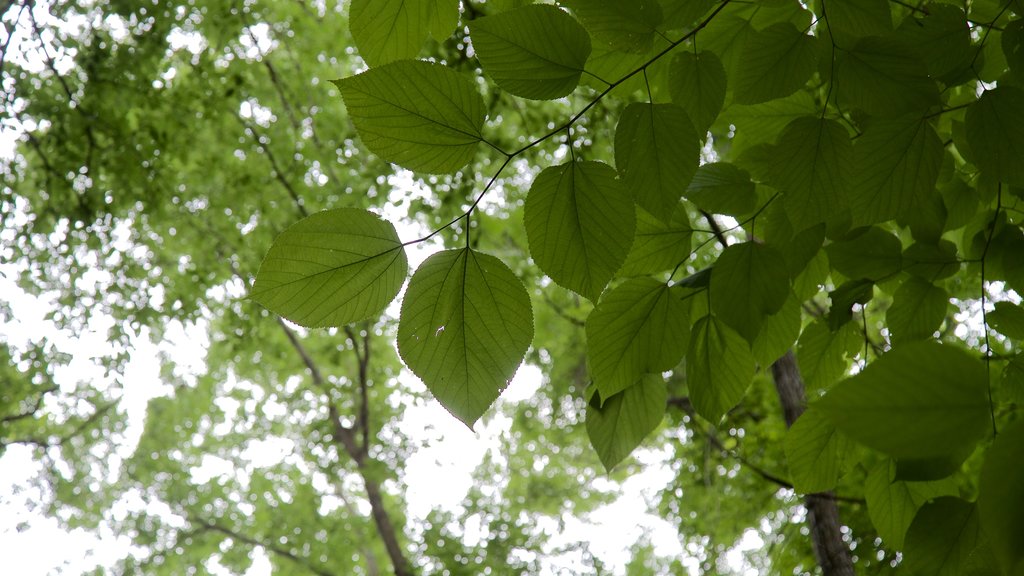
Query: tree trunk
(832, 553)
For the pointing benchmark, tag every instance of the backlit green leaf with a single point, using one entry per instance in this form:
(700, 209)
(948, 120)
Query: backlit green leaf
(1001, 497)
(995, 132)
(580, 222)
(896, 164)
(658, 246)
(629, 27)
(389, 30)
(656, 153)
(641, 326)
(749, 281)
(884, 77)
(816, 452)
(683, 13)
(942, 537)
(419, 115)
(536, 51)
(918, 309)
(762, 123)
(870, 253)
(719, 368)
(1008, 319)
(621, 423)
(919, 401)
(845, 297)
(465, 326)
(722, 188)
(776, 62)
(697, 83)
(941, 37)
(332, 268)
(849, 20)
(821, 353)
(892, 503)
(778, 333)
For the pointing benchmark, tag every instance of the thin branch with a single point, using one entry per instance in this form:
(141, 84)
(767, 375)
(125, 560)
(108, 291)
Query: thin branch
(278, 173)
(266, 545)
(36, 406)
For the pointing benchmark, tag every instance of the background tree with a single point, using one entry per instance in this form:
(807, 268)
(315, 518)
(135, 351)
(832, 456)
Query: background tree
(727, 208)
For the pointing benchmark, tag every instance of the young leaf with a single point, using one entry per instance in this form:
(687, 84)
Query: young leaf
(995, 133)
(811, 168)
(722, 188)
(918, 309)
(776, 62)
(920, 401)
(389, 30)
(816, 452)
(641, 326)
(942, 537)
(621, 423)
(884, 77)
(719, 368)
(332, 268)
(892, 504)
(871, 253)
(896, 165)
(658, 246)
(465, 326)
(748, 282)
(629, 27)
(656, 152)
(419, 115)
(697, 83)
(1001, 497)
(579, 223)
(536, 51)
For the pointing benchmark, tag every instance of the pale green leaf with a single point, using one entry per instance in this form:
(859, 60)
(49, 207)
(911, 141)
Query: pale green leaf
(1008, 319)
(580, 222)
(332, 268)
(884, 77)
(628, 27)
(776, 62)
(419, 115)
(896, 165)
(719, 368)
(722, 188)
(465, 325)
(870, 253)
(658, 246)
(1001, 496)
(656, 152)
(639, 327)
(995, 133)
(917, 311)
(816, 452)
(621, 423)
(697, 83)
(389, 30)
(778, 333)
(892, 503)
(811, 167)
(821, 353)
(748, 282)
(536, 51)
(942, 537)
(922, 400)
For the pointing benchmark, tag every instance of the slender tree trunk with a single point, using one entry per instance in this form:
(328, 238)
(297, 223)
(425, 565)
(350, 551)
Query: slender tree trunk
(832, 553)
(385, 529)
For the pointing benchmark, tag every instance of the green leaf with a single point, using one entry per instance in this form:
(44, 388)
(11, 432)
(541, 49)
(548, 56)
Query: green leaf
(870, 253)
(536, 51)
(821, 353)
(719, 368)
(1001, 497)
(629, 27)
(656, 152)
(683, 13)
(942, 537)
(778, 333)
(776, 62)
(1008, 320)
(465, 326)
(811, 168)
(762, 123)
(844, 297)
(995, 133)
(722, 188)
(580, 222)
(389, 30)
(917, 311)
(816, 452)
(639, 327)
(749, 281)
(884, 77)
(617, 427)
(419, 115)
(332, 268)
(919, 401)
(896, 165)
(849, 20)
(658, 246)
(892, 504)
(931, 261)
(697, 83)
(942, 39)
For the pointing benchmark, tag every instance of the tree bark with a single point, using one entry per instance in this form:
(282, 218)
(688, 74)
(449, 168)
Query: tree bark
(831, 551)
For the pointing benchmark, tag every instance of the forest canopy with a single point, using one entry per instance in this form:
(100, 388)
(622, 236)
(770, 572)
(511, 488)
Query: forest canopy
(768, 253)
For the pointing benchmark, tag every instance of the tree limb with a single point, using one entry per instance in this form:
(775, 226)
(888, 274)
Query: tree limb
(268, 546)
